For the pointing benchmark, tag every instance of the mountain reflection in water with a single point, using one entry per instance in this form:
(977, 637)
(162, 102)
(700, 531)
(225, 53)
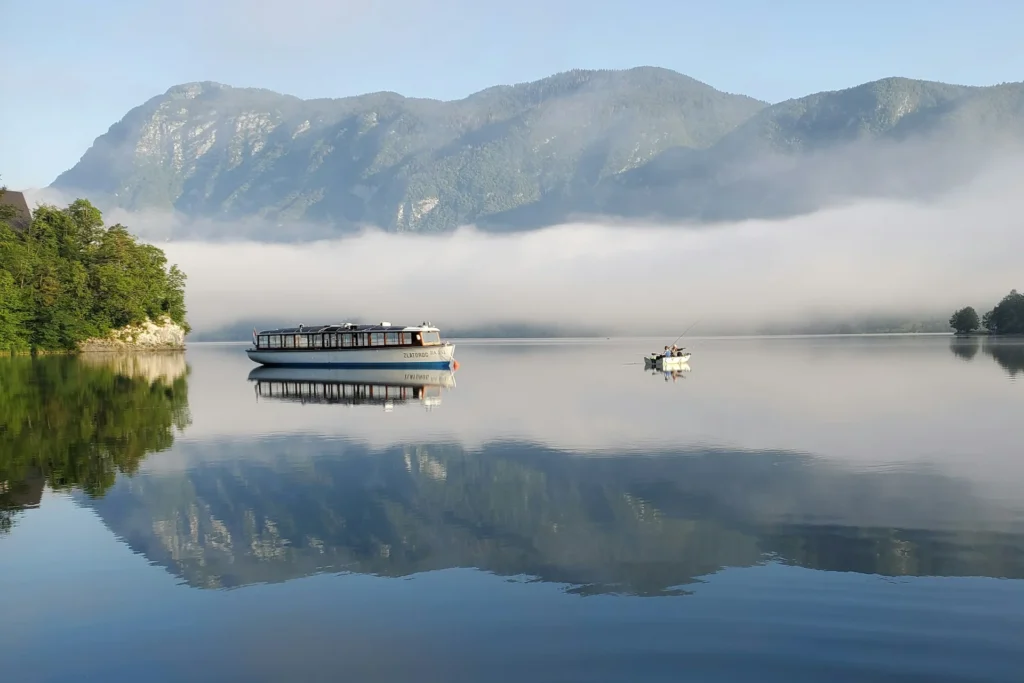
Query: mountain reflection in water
(777, 486)
(229, 511)
(276, 510)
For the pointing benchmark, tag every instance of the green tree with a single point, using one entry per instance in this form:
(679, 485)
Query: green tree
(1008, 315)
(6, 212)
(12, 315)
(67, 278)
(965, 320)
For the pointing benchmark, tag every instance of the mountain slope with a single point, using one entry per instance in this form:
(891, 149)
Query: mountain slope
(891, 138)
(406, 164)
(640, 143)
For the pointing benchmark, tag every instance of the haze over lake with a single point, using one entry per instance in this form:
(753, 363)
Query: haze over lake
(790, 509)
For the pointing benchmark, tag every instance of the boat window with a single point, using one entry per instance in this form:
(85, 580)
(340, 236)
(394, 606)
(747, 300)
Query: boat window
(302, 341)
(289, 341)
(376, 339)
(346, 340)
(317, 341)
(275, 341)
(431, 338)
(391, 338)
(407, 338)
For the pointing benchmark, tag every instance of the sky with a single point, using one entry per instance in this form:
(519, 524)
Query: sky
(74, 68)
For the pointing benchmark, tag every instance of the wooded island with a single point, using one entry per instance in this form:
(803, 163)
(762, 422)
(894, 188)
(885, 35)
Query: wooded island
(1006, 318)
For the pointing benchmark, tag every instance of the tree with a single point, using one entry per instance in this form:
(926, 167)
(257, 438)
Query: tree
(67, 279)
(1008, 315)
(965, 320)
(6, 212)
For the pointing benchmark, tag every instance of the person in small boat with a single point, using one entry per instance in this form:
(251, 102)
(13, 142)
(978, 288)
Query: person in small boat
(668, 352)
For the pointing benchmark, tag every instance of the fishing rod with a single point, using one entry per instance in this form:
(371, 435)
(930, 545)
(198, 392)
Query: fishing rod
(684, 333)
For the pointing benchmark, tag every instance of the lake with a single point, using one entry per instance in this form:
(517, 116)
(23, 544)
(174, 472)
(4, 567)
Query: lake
(789, 509)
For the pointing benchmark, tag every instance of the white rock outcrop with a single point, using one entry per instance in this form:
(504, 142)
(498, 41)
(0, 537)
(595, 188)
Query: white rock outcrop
(162, 335)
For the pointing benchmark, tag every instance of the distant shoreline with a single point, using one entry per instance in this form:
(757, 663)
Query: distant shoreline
(656, 336)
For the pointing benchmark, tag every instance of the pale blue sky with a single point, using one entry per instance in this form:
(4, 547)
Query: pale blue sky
(74, 67)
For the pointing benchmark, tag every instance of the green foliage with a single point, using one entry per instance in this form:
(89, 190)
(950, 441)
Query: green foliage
(1008, 315)
(72, 424)
(6, 212)
(67, 278)
(965, 320)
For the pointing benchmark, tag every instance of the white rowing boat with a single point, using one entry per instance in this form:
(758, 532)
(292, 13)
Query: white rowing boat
(667, 362)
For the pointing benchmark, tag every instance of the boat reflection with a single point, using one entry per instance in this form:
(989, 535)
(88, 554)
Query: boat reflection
(674, 374)
(352, 386)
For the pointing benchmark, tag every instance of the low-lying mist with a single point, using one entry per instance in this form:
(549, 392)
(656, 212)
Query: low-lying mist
(861, 259)
(873, 258)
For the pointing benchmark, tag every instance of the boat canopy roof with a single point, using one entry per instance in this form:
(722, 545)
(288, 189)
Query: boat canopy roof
(349, 327)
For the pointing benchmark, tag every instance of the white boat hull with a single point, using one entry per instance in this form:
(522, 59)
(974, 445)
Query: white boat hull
(667, 362)
(437, 357)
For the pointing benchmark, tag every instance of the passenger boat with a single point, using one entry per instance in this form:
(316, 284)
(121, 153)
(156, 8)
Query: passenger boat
(348, 345)
(666, 362)
(351, 387)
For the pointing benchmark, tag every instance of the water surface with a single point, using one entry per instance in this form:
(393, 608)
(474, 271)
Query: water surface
(790, 509)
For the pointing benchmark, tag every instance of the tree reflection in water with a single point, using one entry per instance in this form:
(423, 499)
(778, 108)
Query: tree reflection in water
(75, 423)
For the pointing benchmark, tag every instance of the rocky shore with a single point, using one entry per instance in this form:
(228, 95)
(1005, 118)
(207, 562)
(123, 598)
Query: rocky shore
(162, 335)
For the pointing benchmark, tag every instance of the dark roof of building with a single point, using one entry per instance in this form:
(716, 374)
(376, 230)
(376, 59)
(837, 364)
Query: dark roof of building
(16, 200)
(341, 327)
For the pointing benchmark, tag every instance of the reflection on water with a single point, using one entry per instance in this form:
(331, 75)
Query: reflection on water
(1008, 352)
(273, 511)
(964, 347)
(794, 490)
(352, 387)
(75, 423)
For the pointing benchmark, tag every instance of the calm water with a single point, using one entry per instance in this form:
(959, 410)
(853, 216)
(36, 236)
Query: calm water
(830, 509)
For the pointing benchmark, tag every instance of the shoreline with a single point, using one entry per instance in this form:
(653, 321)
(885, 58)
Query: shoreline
(566, 339)
(93, 352)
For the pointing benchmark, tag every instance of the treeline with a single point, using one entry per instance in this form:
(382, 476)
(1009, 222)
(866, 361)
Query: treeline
(1006, 318)
(66, 278)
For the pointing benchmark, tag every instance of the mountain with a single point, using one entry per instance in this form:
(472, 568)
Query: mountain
(644, 142)
(895, 137)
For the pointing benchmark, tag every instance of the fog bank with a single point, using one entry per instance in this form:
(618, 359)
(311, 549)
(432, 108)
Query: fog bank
(868, 259)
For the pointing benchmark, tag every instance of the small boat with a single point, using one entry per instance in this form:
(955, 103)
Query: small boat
(348, 345)
(662, 362)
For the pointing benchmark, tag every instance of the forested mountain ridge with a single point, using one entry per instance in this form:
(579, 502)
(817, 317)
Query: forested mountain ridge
(644, 142)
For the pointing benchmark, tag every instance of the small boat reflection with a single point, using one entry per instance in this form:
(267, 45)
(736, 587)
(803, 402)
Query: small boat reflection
(351, 386)
(674, 374)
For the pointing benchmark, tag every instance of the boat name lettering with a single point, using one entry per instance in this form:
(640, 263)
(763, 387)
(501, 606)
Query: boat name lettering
(417, 354)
